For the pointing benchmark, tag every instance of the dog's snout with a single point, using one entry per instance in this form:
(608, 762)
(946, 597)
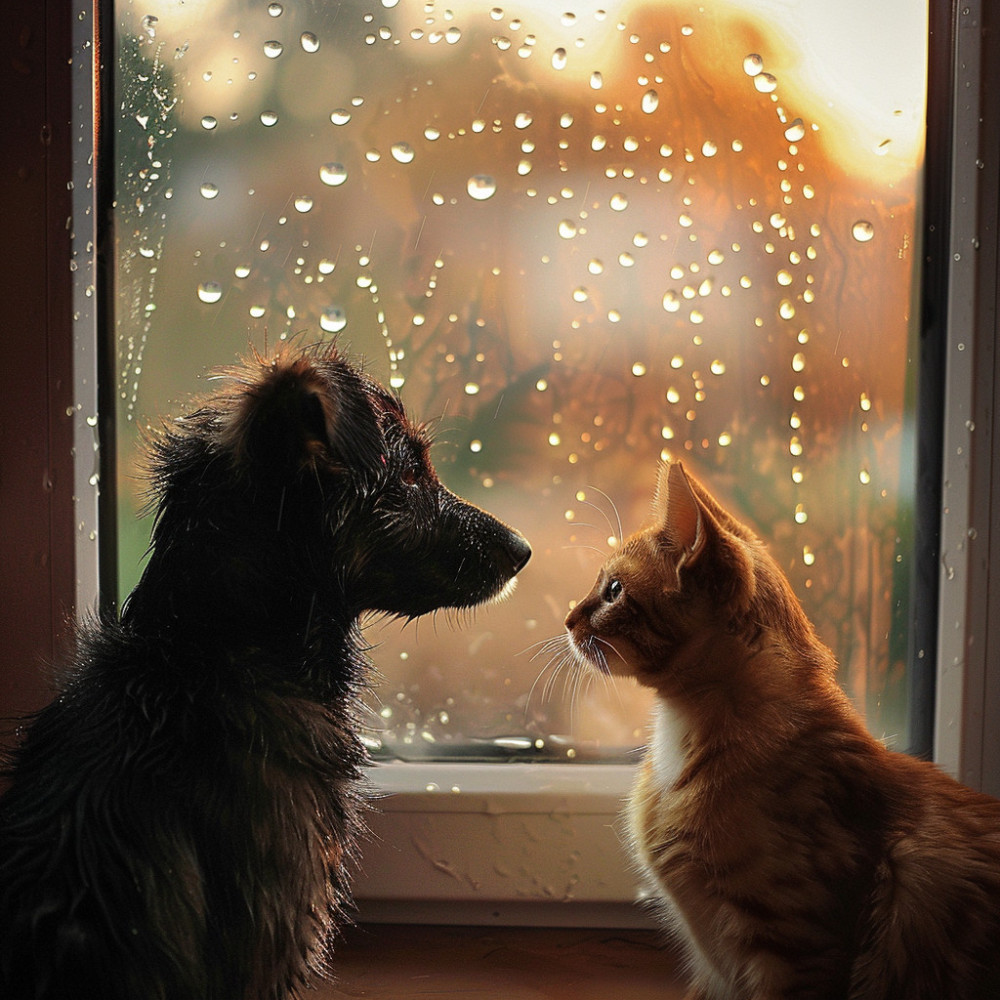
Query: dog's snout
(518, 550)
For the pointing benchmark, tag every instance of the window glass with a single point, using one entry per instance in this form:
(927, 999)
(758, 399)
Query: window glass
(577, 238)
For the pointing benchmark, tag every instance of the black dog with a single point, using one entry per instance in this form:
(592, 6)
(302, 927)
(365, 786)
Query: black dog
(182, 817)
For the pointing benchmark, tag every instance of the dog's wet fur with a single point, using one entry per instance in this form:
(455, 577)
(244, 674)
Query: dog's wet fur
(181, 821)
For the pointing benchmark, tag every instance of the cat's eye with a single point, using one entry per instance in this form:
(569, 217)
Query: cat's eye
(613, 591)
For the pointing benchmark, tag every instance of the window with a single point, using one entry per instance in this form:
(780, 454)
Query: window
(578, 239)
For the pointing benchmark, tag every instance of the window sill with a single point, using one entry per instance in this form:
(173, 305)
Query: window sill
(515, 844)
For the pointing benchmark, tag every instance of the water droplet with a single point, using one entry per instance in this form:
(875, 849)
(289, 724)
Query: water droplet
(765, 83)
(709, 148)
(753, 64)
(471, 388)
(596, 80)
(559, 59)
(242, 271)
(333, 174)
(452, 35)
(638, 369)
(403, 152)
(618, 202)
(208, 122)
(798, 362)
(650, 101)
(786, 310)
(303, 204)
(268, 118)
(522, 120)
(257, 311)
(795, 132)
(784, 277)
(481, 187)
(671, 301)
(862, 231)
(626, 259)
(496, 13)
(597, 143)
(210, 292)
(309, 42)
(567, 229)
(273, 49)
(340, 116)
(595, 266)
(333, 319)
(565, 120)
(275, 9)
(209, 190)
(580, 294)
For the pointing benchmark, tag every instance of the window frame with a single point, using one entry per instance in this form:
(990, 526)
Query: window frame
(959, 481)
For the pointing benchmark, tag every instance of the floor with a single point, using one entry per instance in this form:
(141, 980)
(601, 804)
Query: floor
(414, 962)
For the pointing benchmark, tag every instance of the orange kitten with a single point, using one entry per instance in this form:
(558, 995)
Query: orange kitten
(788, 849)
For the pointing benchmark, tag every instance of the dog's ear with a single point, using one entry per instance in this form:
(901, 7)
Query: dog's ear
(295, 414)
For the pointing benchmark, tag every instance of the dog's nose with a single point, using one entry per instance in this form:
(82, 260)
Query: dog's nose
(518, 550)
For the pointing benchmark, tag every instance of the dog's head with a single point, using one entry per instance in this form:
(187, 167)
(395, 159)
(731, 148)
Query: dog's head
(314, 477)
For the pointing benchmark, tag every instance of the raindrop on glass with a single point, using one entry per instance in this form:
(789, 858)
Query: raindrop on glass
(303, 204)
(863, 231)
(522, 120)
(481, 187)
(753, 64)
(402, 152)
(333, 174)
(210, 292)
(209, 190)
(208, 122)
(567, 229)
(795, 132)
(309, 42)
(618, 202)
(765, 83)
(559, 59)
(275, 9)
(273, 49)
(333, 319)
(596, 80)
(268, 118)
(650, 101)
(340, 116)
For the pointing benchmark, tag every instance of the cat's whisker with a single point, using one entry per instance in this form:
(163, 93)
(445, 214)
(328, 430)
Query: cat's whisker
(617, 525)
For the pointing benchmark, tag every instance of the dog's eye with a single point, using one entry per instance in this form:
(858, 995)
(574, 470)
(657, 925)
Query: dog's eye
(613, 591)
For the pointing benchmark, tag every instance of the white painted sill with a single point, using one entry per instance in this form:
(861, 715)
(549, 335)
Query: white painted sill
(520, 844)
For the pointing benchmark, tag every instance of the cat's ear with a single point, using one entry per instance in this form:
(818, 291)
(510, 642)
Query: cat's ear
(679, 513)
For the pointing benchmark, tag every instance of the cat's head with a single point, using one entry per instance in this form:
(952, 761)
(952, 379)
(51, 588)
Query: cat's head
(678, 590)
